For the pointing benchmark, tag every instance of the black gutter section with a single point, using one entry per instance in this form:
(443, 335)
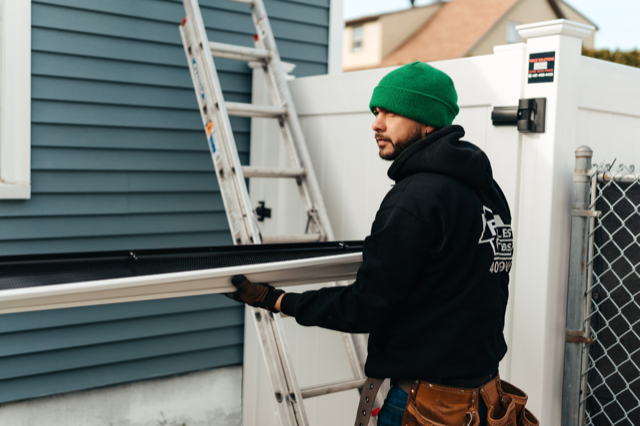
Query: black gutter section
(60, 268)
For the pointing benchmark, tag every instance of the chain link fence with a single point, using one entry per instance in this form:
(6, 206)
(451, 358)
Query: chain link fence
(612, 375)
(602, 345)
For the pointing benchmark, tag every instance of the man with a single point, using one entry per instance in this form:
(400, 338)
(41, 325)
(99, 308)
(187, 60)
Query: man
(433, 286)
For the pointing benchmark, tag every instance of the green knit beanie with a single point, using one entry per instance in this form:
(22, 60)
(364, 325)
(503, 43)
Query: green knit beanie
(420, 92)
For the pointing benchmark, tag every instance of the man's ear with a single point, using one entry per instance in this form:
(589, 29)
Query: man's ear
(426, 130)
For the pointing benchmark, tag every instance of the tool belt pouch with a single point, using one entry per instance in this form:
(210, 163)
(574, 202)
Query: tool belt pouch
(511, 407)
(437, 405)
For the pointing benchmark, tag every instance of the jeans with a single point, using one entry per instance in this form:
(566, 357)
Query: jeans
(393, 409)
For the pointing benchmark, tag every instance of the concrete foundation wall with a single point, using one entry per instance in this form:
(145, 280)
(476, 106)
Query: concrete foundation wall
(206, 398)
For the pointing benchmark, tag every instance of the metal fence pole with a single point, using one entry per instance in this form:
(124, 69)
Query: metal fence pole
(576, 292)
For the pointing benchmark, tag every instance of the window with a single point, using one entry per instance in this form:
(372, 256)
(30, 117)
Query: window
(357, 36)
(512, 33)
(15, 99)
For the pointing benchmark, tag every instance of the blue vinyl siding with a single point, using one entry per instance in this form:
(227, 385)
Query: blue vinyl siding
(73, 349)
(120, 161)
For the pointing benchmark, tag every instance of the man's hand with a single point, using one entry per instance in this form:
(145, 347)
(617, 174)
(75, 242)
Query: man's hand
(257, 295)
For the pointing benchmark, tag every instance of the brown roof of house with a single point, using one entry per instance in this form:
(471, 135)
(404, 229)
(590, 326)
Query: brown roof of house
(360, 21)
(369, 18)
(451, 32)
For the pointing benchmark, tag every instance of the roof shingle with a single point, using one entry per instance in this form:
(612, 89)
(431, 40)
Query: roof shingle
(451, 32)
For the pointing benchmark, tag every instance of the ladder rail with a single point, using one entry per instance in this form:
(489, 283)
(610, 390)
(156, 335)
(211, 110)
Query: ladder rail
(309, 204)
(277, 77)
(296, 398)
(198, 86)
(290, 411)
(212, 106)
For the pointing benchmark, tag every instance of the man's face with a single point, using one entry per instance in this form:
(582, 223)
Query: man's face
(394, 133)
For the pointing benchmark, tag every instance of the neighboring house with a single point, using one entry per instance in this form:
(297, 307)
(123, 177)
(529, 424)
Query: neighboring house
(445, 30)
(118, 159)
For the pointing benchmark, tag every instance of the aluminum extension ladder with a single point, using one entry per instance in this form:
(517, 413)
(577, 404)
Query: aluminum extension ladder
(231, 178)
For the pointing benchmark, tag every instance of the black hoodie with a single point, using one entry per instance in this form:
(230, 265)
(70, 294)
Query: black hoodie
(433, 287)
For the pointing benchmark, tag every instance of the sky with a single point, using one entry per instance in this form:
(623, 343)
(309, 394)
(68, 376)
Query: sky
(618, 20)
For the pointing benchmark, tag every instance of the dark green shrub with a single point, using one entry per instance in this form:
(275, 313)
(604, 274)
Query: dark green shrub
(631, 57)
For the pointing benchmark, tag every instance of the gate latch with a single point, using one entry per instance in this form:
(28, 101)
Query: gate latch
(262, 212)
(586, 213)
(577, 336)
(528, 115)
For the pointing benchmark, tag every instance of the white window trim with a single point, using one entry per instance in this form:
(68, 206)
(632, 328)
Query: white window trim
(336, 30)
(15, 99)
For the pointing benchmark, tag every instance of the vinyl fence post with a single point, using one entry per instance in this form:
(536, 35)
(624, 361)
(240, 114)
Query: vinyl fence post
(576, 292)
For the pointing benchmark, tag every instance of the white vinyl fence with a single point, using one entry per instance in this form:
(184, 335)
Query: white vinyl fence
(589, 102)
(609, 110)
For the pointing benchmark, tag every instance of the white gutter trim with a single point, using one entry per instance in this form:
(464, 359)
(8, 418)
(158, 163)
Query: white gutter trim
(179, 284)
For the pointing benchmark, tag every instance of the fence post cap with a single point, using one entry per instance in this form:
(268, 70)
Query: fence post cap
(557, 27)
(584, 151)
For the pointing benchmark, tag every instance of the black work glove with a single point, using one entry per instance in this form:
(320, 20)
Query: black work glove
(258, 295)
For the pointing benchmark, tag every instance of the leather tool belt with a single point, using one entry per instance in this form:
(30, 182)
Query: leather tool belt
(432, 404)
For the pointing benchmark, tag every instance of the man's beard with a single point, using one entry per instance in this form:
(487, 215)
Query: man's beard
(400, 145)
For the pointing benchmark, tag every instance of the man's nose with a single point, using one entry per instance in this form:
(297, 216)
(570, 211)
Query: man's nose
(378, 124)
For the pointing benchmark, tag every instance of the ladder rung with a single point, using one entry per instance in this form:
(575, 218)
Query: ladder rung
(269, 172)
(239, 53)
(301, 238)
(250, 110)
(327, 388)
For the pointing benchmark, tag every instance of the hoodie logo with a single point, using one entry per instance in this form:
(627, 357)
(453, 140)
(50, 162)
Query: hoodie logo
(500, 238)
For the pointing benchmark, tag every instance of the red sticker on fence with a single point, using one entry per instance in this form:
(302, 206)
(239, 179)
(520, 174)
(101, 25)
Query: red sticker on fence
(542, 67)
